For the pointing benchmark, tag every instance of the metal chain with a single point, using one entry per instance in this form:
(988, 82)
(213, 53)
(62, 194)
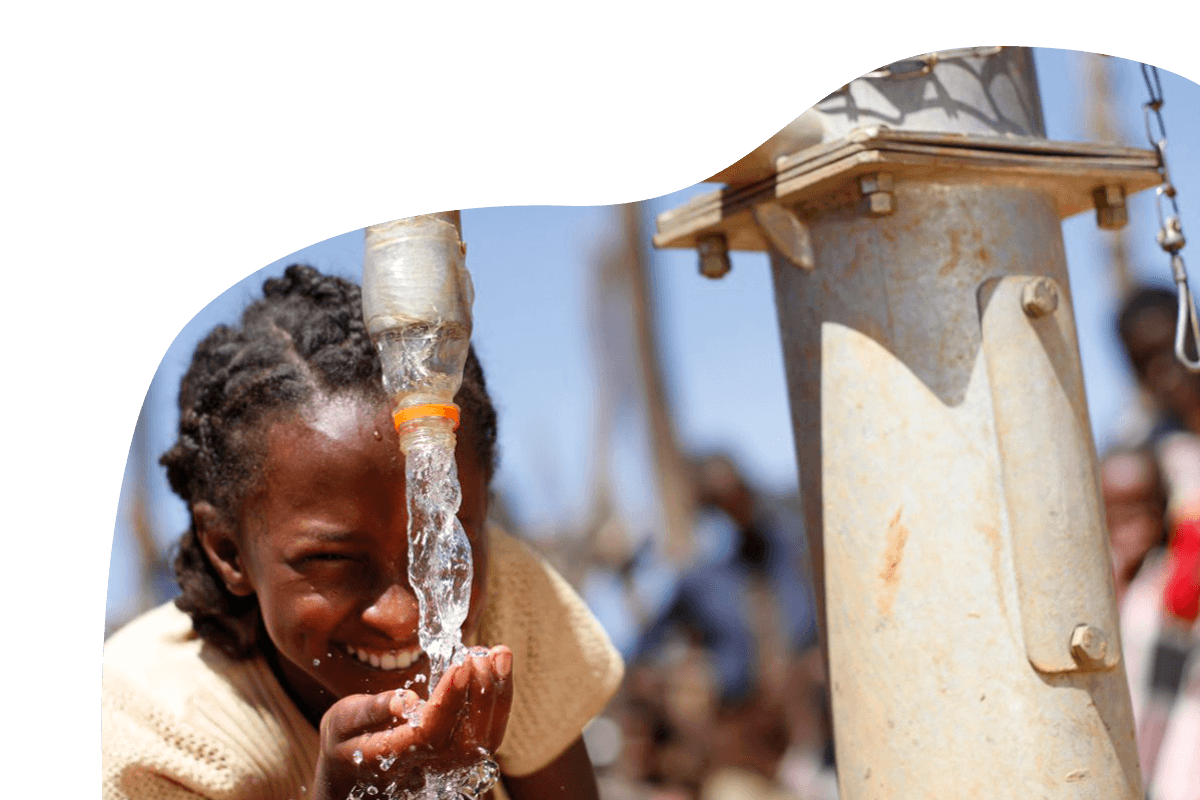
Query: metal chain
(1170, 229)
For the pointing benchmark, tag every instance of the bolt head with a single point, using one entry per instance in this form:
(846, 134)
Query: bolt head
(714, 255)
(1111, 213)
(880, 204)
(1112, 218)
(1110, 195)
(1089, 646)
(1039, 297)
(875, 182)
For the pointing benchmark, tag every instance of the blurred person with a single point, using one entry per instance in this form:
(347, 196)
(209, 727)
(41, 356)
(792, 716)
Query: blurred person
(1135, 509)
(745, 544)
(1159, 609)
(1146, 326)
(747, 604)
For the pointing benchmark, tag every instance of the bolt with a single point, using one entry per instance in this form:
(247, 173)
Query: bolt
(1111, 212)
(877, 189)
(1089, 646)
(879, 204)
(714, 255)
(875, 182)
(1039, 297)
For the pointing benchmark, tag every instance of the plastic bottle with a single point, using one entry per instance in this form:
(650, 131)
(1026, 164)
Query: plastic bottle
(417, 297)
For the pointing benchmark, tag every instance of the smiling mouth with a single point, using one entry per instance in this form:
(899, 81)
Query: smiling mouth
(387, 660)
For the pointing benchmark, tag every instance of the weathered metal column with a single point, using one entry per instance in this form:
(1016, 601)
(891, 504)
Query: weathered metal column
(942, 433)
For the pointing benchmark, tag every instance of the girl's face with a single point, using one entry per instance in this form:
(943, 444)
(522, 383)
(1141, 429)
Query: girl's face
(325, 549)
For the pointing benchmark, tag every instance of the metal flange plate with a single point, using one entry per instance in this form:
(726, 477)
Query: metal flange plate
(825, 174)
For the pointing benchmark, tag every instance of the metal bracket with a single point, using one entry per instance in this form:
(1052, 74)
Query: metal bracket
(1060, 547)
(1069, 172)
(786, 233)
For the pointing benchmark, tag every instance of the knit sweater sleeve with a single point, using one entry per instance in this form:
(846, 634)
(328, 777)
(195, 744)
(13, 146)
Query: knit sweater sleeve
(180, 720)
(565, 669)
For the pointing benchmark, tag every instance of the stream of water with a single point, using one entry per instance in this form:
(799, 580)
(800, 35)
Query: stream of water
(440, 570)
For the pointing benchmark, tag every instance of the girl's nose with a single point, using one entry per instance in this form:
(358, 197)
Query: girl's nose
(394, 613)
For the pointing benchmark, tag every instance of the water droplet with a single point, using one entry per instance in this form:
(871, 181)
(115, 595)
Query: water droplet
(386, 762)
(372, 790)
(420, 678)
(316, 662)
(358, 756)
(303, 789)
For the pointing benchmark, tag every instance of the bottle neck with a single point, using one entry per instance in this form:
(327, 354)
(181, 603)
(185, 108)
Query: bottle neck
(427, 432)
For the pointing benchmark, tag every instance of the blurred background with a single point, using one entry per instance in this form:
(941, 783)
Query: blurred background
(619, 373)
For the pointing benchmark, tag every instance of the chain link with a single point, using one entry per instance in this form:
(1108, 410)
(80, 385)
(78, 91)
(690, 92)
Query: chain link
(1170, 230)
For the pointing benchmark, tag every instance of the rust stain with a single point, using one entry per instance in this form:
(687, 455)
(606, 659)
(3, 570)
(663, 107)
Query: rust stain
(855, 260)
(993, 536)
(954, 258)
(983, 256)
(893, 554)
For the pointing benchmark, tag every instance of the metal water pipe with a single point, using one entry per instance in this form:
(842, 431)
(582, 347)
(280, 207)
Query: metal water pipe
(945, 453)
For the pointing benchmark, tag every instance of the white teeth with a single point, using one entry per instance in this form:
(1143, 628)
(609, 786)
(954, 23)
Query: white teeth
(396, 659)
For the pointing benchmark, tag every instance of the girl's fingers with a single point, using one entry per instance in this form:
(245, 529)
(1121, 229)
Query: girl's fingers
(445, 707)
(502, 665)
(358, 714)
(476, 724)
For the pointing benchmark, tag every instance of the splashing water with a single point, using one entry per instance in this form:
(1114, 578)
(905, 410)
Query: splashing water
(439, 554)
(440, 571)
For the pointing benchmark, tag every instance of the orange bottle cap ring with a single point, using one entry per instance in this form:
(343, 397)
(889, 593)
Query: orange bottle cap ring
(447, 410)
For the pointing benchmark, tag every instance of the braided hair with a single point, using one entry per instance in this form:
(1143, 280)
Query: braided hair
(305, 336)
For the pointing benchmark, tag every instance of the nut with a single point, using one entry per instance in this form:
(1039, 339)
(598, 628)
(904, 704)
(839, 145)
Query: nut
(1089, 646)
(875, 182)
(714, 255)
(880, 204)
(876, 188)
(1039, 297)
(1111, 212)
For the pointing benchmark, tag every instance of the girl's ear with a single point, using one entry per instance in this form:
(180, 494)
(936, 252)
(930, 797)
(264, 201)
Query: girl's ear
(220, 543)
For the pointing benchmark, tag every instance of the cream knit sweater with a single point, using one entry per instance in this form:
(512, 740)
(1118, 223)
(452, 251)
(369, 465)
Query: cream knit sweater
(180, 719)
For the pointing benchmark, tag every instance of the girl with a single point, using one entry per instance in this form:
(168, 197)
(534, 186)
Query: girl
(273, 675)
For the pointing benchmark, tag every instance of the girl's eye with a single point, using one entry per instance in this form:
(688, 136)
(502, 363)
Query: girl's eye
(324, 558)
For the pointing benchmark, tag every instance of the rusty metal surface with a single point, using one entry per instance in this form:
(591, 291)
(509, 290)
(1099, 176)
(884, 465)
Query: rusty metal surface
(900, 466)
(1050, 487)
(946, 469)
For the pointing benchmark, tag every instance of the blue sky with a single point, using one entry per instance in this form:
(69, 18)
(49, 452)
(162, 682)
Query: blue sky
(532, 272)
